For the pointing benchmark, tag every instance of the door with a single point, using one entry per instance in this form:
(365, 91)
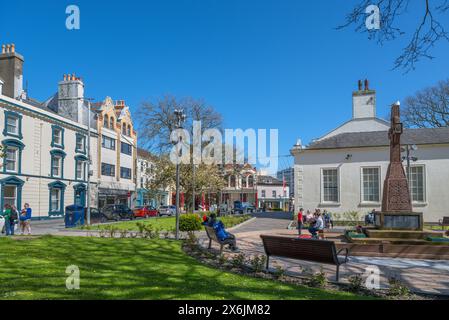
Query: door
(80, 197)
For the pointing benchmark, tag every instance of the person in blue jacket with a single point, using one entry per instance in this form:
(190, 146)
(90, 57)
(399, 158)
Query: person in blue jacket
(25, 219)
(221, 232)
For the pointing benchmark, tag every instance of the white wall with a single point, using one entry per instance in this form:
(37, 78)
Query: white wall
(308, 165)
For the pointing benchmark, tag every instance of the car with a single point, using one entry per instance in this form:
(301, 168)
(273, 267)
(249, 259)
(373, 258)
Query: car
(167, 210)
(248, 207)
(238, 207)
(96, 216)
(145, 212)
(117, 212)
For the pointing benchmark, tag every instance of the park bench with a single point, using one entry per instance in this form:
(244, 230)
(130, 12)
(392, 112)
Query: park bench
(444, 223)
(213, 237)
(321, 251)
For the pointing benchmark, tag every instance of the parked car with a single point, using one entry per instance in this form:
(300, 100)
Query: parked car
(238, 207)
(145, 212)
(117, 212)
(248, 207)
(96, 216)
(167, 210)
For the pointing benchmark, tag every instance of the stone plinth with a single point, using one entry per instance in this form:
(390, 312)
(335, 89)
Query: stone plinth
(399, 221)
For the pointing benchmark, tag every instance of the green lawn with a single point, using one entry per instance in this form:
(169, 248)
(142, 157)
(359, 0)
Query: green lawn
(127, 269)
(164, 224)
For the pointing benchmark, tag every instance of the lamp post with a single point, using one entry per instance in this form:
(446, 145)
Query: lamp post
(408, 149)
(89, 159)
(180, 118)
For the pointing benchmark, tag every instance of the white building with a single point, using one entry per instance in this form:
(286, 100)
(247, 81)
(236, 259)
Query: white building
(272, 193)
(345, 169)
(45, 144)
(145, 169)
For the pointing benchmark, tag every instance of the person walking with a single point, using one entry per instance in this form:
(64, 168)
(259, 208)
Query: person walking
(300, 221)
(6, 214)
(25, 220)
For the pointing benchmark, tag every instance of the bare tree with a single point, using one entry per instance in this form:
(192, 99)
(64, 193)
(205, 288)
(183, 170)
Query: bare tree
(428, 108)
(158, 120)
(428, 32)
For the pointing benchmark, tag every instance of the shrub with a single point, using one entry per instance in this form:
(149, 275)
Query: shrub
(189, 223)
(318, 280)
(238, 261)
(279, 272)
(222, 259)
(191, 240)
(397, 288)
(355, 283)
(258, 263)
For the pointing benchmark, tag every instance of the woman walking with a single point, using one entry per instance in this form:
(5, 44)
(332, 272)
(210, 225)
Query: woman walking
(25, 220)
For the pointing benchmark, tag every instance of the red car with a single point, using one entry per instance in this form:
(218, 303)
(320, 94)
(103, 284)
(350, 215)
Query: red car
(145, 212)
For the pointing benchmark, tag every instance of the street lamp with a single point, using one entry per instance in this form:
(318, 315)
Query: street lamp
(180, 118)
(408, 149)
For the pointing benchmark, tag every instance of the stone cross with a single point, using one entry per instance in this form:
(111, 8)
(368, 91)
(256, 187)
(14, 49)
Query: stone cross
(396, 195)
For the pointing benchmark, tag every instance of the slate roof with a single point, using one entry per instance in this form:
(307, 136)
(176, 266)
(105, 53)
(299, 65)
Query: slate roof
(267, 180)
(380, 138)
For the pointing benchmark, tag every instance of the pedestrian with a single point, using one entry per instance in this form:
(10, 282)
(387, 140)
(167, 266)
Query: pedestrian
(25, 219)
(6, 214)
(300, 221)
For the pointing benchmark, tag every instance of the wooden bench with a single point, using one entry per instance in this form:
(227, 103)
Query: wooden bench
(444, 223)
(321, 251)
(213, 236)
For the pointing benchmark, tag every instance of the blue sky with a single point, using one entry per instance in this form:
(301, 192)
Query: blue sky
(263, 64)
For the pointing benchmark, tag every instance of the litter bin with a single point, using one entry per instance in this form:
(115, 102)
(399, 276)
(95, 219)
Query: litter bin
(74, 216)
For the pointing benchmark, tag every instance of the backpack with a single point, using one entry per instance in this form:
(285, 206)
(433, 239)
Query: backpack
(13, 215)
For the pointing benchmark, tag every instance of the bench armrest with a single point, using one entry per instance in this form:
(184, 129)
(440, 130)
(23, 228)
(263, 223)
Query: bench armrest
(346, 254)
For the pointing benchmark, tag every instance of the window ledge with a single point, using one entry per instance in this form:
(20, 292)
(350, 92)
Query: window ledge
(420, 204)
(329, 204)
(370, 204)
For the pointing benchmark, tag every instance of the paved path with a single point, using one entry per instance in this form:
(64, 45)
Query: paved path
(428, 276)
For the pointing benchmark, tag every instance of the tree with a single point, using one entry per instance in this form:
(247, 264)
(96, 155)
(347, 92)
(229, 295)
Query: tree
(428, 31)
(158, 120)
(428, 108)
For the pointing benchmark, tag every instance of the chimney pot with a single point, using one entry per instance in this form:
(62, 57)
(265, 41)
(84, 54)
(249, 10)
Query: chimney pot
(3, 48)
(13, 48)
(366, 85)
(8, 48)
(360, 85)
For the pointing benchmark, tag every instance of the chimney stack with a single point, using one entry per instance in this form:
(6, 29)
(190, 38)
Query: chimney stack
(363, 101)
(71, 98)
(11, 71)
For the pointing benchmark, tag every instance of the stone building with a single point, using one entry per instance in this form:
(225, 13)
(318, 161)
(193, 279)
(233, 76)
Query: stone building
(344, 170)
(272, 193)
(45, 144)
(117, 153)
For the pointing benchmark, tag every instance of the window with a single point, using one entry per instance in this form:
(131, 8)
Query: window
(107, 170)
(56, 166)
(124, 129)
(370, 185)
(141, 183)
(57, 163)
(264, 194)
(129, 130)
(11, 163)
(126, 148)
(273, 193)
(106, 122)
(417, 183)
(55, 203)
(80, 143)
(108, 143)
(125, 173)
(10, 195)
(142, 166)
(111, 123)
(57, 139)
(330, 185)
(79, 174)
(56, 198)
(13, 124)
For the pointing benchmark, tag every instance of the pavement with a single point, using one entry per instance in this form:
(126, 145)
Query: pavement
(421, 276)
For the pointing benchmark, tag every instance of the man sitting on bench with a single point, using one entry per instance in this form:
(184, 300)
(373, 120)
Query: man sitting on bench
(317, 226)
(221, 233)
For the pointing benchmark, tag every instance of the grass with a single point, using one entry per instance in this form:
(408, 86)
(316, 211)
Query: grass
(128, 269)
(164, 224)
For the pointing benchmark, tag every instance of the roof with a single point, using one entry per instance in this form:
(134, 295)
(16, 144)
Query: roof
(268, 180)
(141, 153)
(380, 138)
